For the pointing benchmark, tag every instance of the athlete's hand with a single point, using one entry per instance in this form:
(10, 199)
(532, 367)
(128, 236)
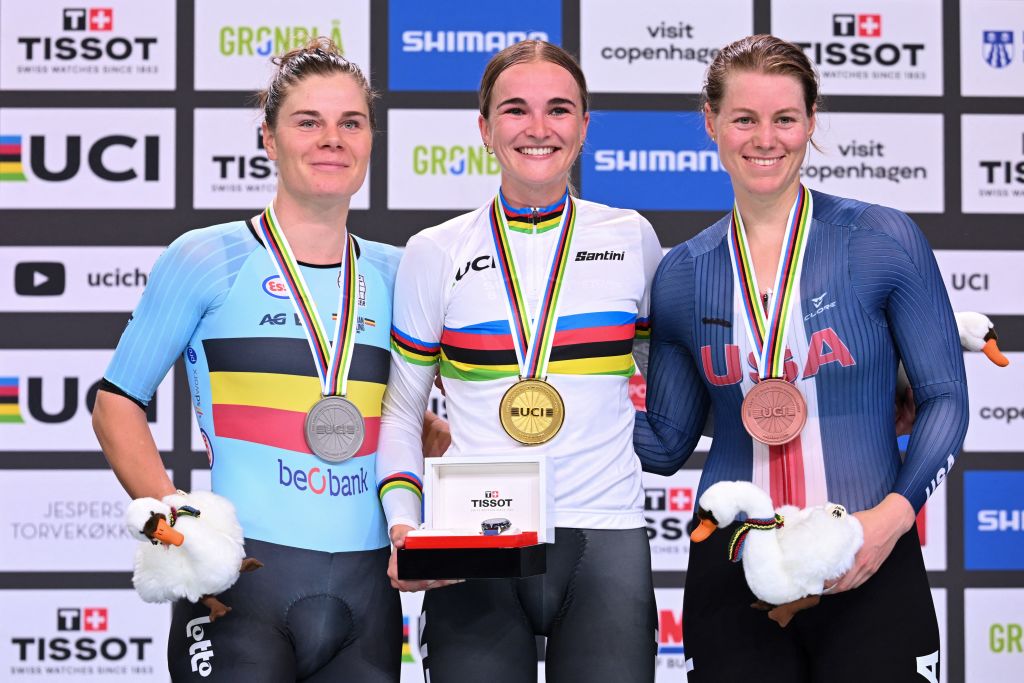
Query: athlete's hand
(398, 533)
(906, 412)
(436, 436)
(883, 526)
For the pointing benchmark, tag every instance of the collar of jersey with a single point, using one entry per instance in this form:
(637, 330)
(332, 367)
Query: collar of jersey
(521, 220)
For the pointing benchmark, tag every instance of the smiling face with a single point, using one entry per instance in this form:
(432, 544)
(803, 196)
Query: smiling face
(536, 125)
(762, 128)
(321, 140)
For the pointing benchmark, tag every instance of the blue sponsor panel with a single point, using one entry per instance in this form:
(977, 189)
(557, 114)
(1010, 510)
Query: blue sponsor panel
(445, 45)
(994, 520)
(653, 160)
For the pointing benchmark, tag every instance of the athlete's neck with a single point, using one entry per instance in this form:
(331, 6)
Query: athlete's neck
(522, 197)
(316, 231)
(765, 216)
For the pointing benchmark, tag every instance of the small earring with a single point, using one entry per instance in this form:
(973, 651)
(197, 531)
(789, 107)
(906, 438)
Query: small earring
(488, 148)
(714, 139)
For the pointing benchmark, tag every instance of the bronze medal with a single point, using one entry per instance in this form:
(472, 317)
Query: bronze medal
(774, 412)
(531, 411)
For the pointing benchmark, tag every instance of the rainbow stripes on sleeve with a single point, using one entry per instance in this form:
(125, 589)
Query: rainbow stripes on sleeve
(414, 350)
(407, 481)
(643, 329)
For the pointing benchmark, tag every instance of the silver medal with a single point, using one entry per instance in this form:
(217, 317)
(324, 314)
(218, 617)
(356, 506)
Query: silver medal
(334, 429)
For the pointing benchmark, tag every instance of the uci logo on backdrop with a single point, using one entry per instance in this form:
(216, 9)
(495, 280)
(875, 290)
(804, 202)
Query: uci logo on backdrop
(653, 160)
(86, 158)
(446, 45)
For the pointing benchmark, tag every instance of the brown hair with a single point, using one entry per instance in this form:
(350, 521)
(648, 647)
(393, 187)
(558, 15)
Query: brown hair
(319, 57)
(763, 54)
(525, 52)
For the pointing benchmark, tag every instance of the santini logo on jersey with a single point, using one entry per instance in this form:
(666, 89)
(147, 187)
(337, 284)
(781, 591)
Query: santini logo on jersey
(600, 255)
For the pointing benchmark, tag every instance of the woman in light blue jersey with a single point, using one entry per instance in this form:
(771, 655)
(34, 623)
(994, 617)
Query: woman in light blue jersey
(282, 322)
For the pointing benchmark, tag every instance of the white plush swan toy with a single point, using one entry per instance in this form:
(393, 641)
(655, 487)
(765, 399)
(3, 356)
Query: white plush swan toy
(193, 548)
(787, 554)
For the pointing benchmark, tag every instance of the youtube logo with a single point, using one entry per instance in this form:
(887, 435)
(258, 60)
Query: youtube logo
(39, 278)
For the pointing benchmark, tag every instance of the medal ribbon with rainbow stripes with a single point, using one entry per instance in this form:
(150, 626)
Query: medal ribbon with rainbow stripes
(532, 411)
(774, 411)
(767, 330)
(332, 361)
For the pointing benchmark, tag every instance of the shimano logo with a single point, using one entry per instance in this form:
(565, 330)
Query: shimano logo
(200, 650)
(657, 160)
(1000, 520)
(601, 255)
(465, 41)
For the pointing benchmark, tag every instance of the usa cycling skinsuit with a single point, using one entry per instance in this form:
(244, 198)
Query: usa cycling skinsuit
(870, 295)
(322, 607)
(450, 315)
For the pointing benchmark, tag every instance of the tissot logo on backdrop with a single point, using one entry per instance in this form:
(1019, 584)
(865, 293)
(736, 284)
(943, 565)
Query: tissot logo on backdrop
(992, 48)
(890, 159)
(653, 160)
(232, 170)
(56, 391)
(75, 278)
(976, 279)
(993, 633)
(669, 504)
(234, 39)
(992, 163)
(87, 158)
(994, 520)
(658, 45)
(437, 161)
(63, 520)
(444, 45)
(88, 635)
(859, 51)
(120, 46)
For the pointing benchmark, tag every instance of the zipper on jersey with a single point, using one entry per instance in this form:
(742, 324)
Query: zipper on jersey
(765, 298)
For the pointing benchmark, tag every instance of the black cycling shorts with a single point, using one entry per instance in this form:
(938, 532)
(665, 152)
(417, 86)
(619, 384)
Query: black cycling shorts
(595, 604)
(306, 615)
(885, 630)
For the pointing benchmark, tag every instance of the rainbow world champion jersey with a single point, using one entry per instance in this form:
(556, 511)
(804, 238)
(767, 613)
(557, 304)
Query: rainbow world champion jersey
(870, 295)
(451, 316)
(215, 298)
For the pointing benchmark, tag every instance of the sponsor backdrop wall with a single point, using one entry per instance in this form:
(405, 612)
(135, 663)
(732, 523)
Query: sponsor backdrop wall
(123, 125)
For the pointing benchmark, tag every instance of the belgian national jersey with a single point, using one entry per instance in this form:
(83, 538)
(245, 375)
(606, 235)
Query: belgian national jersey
(215, 298)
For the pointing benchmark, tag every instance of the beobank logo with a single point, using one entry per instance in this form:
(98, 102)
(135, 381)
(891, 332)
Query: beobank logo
(322, 482)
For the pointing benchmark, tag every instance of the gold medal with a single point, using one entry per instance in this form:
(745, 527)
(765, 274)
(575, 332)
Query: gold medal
(531, 411)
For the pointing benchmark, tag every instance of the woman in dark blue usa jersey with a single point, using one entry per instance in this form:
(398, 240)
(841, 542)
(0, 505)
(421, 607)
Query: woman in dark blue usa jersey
(803, 297)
